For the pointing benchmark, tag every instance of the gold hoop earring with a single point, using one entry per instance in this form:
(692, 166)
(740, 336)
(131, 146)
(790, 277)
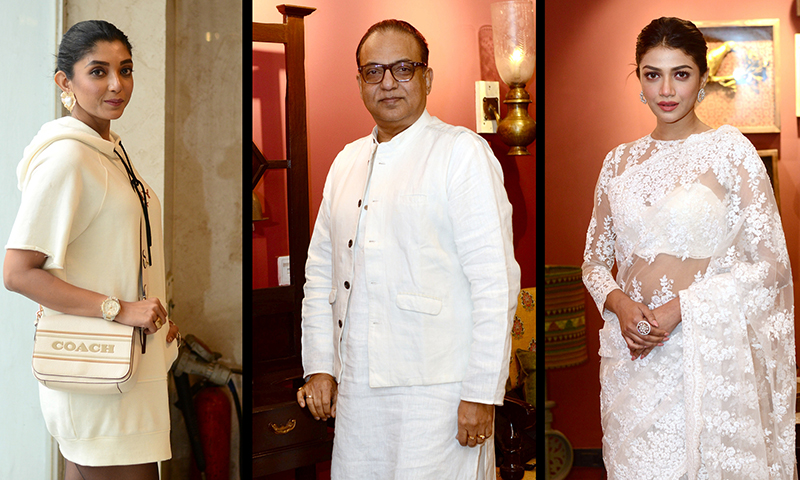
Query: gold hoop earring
(68, 100)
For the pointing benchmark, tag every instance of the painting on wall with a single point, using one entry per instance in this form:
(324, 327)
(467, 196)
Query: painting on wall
(742, 88)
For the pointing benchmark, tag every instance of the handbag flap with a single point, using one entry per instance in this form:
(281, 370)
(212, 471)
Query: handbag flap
(79, 349)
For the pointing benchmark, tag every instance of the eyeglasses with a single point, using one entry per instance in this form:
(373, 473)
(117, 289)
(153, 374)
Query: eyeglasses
(401, 71)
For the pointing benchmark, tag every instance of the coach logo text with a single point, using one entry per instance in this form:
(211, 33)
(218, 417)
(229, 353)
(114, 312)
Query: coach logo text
(82, 347)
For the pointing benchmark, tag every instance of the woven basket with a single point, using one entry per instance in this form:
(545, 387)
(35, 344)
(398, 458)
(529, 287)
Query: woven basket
(564, 318)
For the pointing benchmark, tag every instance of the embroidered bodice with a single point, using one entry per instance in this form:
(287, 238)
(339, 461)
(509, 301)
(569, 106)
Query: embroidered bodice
(663, 209)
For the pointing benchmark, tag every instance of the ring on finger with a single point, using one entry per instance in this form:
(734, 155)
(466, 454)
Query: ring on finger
(159, 323)
(643, 327)
(470, 437)
(481, 437)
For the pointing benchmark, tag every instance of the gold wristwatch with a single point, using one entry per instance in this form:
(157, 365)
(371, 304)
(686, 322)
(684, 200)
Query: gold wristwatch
(110, 308)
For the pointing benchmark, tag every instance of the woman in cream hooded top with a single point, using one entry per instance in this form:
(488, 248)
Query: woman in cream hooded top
(79, 239)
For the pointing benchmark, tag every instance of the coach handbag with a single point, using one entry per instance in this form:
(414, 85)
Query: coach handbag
(85, 354)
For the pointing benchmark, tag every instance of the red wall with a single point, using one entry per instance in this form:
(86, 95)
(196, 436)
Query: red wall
(336, 114)
(270, 239)
(592, 105)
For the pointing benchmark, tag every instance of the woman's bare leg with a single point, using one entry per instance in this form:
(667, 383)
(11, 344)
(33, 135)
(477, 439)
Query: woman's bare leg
(145, 471)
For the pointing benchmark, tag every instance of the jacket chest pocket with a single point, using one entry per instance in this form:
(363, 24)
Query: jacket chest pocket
(419, 303)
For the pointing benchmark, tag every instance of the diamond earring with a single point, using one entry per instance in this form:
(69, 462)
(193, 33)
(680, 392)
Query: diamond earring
(641, 97)
(68, 100)
(701, 95)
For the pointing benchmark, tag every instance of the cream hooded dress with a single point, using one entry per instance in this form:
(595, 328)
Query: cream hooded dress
(79, 209)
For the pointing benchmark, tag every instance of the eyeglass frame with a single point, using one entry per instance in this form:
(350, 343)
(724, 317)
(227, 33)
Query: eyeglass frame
(389, 68)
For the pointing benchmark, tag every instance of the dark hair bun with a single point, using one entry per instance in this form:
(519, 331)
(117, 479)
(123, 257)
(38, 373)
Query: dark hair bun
(81, 39)
(674, 33)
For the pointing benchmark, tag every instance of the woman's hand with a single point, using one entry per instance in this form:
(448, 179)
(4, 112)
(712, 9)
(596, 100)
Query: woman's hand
(319, 394)
(148, 314)
(629, 314)
(669, 316)
(475, 423)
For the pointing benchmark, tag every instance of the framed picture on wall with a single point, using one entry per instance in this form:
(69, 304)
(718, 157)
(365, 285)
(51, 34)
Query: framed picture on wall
(770, 159)
(743, 86)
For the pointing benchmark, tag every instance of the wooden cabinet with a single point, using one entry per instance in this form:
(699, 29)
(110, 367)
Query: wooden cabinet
(289, 437)
(284, 436)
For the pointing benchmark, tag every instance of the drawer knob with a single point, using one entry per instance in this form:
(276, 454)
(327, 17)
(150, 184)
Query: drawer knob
(283, 429)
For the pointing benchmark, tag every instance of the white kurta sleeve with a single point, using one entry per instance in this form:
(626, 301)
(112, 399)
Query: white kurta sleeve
(317, 322)
(481, 217)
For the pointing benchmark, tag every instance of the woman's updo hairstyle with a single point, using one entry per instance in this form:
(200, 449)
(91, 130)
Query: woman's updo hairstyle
(674, 33)
(81, 39)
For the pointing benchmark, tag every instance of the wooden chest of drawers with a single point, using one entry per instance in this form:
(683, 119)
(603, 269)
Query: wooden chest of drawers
(286, 436)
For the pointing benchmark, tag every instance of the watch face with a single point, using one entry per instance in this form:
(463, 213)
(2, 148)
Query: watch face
(110, 307)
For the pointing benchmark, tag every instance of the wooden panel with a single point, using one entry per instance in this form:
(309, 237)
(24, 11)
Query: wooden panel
(274, 340)
(269, 32)
(300, 455)
(277, 164)
(273, 300)
(297, 150)
(259, 165)
(276, 330)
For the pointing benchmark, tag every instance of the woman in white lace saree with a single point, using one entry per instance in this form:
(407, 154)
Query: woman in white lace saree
(697, 350)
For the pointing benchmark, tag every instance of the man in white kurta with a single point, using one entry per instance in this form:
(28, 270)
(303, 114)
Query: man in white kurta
(411, 283)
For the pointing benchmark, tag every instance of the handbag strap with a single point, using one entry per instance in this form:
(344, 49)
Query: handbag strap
(142, 292)
(141, 192)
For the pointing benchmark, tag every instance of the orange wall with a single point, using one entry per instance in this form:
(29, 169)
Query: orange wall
(591, 106)
(336, 114)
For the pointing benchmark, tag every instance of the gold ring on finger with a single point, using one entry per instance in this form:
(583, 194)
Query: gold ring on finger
(308, 395)
(470, 437)
(481, 437)
(159, 324)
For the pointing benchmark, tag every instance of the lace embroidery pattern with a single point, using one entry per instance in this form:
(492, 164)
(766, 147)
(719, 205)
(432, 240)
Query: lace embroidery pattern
(695, 219)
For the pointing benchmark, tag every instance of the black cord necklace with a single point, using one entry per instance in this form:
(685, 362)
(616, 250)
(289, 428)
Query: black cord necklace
(138, 187)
